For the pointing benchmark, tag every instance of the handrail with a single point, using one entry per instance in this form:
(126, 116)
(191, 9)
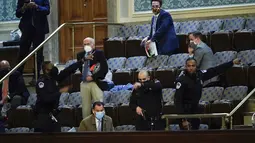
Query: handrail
(212, 115)
(96, 23)
(48, 38)
(241, 103)
(176, 116)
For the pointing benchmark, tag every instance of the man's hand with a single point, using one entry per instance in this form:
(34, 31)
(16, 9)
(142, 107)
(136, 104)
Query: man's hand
(148, 42)
(89, 57)
(139, 111)
(24, 7)
(137, 85)
(190, 50)
(32, 5)
(89, 78)
(237, 61)
(64, 89)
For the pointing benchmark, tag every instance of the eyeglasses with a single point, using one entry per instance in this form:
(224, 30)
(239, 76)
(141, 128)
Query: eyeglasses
(155, 6)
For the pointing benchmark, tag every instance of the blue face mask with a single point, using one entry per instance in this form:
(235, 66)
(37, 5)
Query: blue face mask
(100, 115)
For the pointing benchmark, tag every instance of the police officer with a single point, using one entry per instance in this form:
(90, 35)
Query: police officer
(48, 94)
(146, 101)
(189, 86)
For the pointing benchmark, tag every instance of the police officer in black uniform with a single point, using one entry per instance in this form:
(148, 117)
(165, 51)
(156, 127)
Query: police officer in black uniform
(48, 94)
(146, 100)
(189, 86)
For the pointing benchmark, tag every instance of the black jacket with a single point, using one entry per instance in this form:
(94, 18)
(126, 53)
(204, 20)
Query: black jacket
(39, 16)
(16, 85)
(189, 88)
(98, 58)
(148, 97)
(48, 91)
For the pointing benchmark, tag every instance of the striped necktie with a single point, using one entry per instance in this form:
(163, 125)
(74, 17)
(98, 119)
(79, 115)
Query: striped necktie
(85, 70)
(99, 126)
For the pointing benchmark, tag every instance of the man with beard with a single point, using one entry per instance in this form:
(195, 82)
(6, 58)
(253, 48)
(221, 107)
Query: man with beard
(189, 85)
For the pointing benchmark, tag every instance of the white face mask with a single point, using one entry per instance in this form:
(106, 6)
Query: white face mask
(87, 48)
(193, 42)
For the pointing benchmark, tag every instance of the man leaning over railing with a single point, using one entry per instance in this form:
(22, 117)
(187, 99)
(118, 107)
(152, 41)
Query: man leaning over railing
(189, 86)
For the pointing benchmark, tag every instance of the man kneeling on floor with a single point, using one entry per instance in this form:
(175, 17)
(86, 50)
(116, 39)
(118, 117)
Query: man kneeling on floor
(97, 121)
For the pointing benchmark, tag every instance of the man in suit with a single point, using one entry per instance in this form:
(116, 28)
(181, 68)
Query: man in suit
(97, 121)
(34, 26)
(203, 54)
(162, 30)
(93, 73)
(13, 88)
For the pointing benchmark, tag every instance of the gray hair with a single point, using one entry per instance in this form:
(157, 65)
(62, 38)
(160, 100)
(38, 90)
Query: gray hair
(146, 73)
(92, 41)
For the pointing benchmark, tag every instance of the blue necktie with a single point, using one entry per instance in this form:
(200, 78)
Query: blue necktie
(85, 68)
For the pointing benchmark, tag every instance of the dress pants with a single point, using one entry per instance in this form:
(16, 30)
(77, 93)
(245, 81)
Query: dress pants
(44, 123)
(28, 37)
(89, 91)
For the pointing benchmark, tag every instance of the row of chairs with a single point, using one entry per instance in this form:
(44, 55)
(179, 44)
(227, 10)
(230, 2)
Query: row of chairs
(214, 99)
(126, 128)
(220, 34)
(166, 68)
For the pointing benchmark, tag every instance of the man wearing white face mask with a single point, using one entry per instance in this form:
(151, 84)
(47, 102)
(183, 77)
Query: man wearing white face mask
(97, 121)
(93, 74)
(162, 30)
(203, 55)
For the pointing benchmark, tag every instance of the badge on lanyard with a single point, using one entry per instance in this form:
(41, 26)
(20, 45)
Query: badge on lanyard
(41, 84)
(178, 85)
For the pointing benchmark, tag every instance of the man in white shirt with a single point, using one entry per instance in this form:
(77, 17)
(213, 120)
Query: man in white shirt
(97, 121)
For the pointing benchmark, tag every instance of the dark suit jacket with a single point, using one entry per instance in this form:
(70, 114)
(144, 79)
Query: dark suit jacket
(16, 85)
(98, 58)
(89, 124)
(164, 36)
(38, 15)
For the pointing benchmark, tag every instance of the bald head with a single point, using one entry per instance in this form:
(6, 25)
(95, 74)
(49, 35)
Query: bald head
(89, 41)
(4, 64)
(143, 76)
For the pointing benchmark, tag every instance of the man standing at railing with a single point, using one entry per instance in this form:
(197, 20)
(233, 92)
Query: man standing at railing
(189, 86)
(34, 26)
